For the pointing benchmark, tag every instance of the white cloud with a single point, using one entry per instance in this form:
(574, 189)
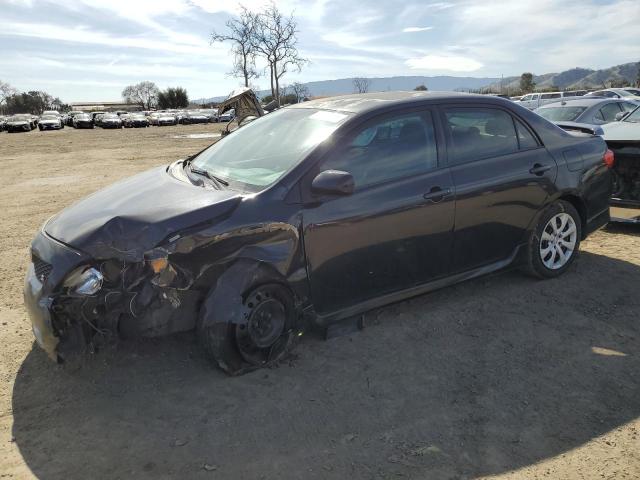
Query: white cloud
(444, 63)
(439, 5)
(82, 34)
(416, 29)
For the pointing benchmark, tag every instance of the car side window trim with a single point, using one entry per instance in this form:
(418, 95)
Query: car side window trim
(518, 120)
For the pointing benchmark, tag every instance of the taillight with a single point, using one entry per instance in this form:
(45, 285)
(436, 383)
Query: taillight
(608, 158)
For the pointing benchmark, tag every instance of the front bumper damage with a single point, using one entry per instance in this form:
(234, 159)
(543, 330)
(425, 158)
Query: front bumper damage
(134, 300)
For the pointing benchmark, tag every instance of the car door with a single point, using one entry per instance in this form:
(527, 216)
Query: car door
(395, 230)
(502, 176)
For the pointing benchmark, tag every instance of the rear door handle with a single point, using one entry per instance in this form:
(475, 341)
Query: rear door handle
(539, 170)
(437, 194)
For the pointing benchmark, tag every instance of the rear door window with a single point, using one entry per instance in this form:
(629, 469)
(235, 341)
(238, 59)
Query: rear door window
(608, 113)
(478, 133)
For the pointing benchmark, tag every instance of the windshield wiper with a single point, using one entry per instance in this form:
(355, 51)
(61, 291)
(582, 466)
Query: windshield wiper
(205, 173)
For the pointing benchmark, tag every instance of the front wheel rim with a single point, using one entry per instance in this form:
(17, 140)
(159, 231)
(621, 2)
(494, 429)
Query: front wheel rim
(558, 241)
(263, 337)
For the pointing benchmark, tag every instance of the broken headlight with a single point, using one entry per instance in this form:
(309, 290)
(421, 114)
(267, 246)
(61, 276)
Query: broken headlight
(85, 281)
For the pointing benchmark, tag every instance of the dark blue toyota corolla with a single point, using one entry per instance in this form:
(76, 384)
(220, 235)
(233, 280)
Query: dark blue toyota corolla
(314, 214)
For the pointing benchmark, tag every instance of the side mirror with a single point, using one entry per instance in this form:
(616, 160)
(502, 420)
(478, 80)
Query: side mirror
(620, 116)
(334, 182)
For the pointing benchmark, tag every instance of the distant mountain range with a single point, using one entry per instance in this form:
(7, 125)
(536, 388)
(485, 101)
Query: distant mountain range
(573, 78)
(576, 78)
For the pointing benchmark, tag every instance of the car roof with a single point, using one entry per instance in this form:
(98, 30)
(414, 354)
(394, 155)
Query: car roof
(582, 102)
(363, 102)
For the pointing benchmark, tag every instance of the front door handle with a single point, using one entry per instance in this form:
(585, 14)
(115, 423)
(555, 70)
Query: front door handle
(539, 170)
(437, 194)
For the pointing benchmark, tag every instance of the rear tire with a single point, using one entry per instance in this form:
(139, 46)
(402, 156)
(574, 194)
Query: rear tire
(260, 335)
(555, 241)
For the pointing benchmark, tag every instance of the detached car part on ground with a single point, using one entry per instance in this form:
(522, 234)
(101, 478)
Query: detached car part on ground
(313, 214)
(623, 138)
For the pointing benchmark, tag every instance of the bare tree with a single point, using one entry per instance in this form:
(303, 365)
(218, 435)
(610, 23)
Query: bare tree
(241, 33)
(300, 91)
(6, 91)
(361, 85)
(145, 93)
(276, 40)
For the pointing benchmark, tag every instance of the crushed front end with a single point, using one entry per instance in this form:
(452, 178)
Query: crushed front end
(625, 201)
(77, 303)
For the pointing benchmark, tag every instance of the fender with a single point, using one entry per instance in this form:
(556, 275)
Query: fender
(224, 303)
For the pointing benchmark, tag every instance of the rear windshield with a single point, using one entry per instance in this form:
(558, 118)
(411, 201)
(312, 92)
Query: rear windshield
(559, 114)
(633, 117)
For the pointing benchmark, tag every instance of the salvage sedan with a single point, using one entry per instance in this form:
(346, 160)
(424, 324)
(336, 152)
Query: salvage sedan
(82, 120)
(314, 214)
(110, 120)
(135, 120)
(50, 122)
(20, 123)
(195, 117)
(586, 113)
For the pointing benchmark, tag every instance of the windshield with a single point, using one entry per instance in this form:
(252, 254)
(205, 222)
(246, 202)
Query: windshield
(109, 116)
(17, 118)
(633, 117)
(559, 114)
(49, 117)
(258, 154)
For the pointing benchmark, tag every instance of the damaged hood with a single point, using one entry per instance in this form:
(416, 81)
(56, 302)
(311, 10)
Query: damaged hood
(134, 215)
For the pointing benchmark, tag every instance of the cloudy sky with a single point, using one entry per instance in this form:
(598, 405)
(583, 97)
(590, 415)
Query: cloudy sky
(83, 50)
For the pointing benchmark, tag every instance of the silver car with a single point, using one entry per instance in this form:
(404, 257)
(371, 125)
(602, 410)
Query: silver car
(586, 111)
(627, 93)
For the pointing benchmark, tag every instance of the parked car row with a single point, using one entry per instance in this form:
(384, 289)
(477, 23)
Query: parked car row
(53, 120)
(536, 100)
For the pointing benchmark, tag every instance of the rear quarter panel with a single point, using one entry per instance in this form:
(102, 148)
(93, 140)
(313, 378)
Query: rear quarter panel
(581, 171)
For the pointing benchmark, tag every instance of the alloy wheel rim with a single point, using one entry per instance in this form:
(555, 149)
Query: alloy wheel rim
(558, 241)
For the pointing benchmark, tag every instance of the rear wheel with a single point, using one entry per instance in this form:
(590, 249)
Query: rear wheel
(260, 333)
(554, 243)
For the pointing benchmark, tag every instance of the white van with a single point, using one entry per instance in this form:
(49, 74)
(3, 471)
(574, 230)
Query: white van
(535, 100)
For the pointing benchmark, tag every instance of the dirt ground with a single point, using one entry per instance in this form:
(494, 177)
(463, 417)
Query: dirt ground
(500, 377)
